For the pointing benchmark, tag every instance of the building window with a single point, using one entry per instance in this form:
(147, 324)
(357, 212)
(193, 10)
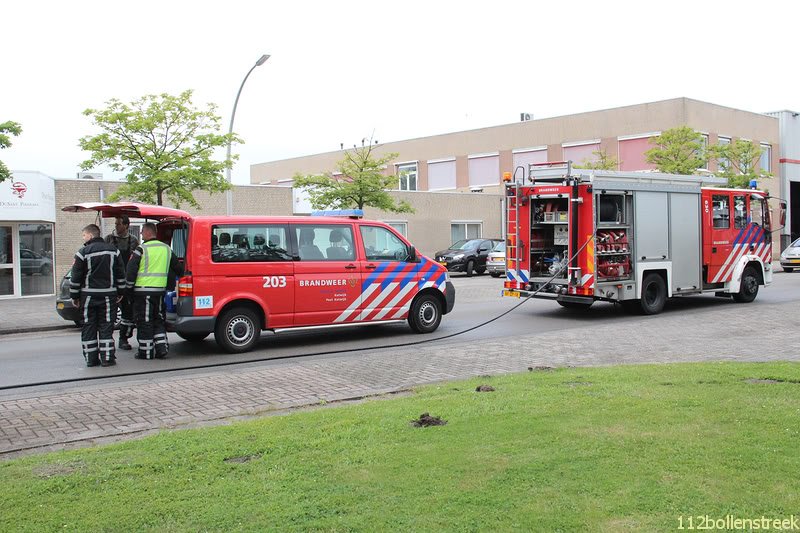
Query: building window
(766, 158)
(465, 230)
(484, 170)
(399, 227)
(407, 176)
(723, 163)
(36, 259)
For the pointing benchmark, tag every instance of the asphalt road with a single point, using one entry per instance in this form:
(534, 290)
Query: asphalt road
(53, 356)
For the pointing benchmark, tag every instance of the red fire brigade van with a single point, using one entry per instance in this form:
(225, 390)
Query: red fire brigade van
(578, 236)
(245, 274)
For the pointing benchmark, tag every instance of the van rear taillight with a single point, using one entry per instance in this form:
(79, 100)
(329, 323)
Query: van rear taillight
(185, 286)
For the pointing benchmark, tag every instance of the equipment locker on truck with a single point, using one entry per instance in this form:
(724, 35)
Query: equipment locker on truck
(577, 236)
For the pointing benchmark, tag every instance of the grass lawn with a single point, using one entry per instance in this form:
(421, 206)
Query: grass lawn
(602, 449)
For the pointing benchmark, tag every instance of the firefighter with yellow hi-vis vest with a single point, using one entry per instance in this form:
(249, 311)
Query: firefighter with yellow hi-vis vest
(151, 267)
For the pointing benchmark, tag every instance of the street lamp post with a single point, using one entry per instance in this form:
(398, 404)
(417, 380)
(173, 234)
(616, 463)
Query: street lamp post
(229, 198)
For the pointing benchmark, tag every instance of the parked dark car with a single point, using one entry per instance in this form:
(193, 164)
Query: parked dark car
(467, 255)
(67, 310)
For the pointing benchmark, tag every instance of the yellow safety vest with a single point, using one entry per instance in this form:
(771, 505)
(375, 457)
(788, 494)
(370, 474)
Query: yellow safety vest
(154, 265)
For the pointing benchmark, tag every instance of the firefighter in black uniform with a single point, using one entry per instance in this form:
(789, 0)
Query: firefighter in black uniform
(97, 282)
(126, 244)
(150, 269)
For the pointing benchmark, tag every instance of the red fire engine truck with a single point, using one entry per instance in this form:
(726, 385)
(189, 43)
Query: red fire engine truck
(577, 236)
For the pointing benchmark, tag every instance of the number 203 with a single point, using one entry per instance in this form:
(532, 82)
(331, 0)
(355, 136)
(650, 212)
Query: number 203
(274, 282)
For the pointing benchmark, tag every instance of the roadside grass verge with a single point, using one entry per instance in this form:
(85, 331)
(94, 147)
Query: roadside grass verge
(603, 449)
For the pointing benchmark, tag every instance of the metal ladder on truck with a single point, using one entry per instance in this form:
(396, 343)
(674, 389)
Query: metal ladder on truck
(515, 277)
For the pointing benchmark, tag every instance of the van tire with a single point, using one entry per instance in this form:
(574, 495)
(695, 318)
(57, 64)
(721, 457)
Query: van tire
(237, 330)
(426, 314)
(748, 290)
(193, 337)
(654, 294)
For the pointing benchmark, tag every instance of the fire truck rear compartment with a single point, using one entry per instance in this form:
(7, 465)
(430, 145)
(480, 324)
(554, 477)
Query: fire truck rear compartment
(549, 249)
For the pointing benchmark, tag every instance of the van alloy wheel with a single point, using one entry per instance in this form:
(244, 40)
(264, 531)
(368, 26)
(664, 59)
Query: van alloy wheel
(426, 314)
(237, 330)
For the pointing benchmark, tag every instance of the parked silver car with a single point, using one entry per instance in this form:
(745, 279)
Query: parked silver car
(33, 263)
(496, 261)
(790, 257)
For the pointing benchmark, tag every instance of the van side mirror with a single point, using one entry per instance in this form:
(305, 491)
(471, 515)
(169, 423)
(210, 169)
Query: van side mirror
(412, 255)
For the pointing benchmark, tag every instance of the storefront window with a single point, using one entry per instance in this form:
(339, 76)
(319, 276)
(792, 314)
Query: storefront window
(36, 258)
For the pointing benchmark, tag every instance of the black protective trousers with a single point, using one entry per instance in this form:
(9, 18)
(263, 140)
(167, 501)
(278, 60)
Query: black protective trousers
(97, 334)
(151, 333)
(126, 318)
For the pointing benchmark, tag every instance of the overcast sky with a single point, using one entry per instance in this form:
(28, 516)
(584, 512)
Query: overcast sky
(342, 70)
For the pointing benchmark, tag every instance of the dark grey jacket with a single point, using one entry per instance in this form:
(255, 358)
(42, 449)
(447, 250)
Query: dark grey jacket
(97, 271)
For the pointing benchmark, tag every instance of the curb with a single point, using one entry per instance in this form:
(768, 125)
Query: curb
(38, 328)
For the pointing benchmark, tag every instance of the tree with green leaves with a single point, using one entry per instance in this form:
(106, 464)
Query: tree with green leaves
(164, 143)
(359, 182)
(7, 129)
(738, 162)
(677, 151)
(602, 161)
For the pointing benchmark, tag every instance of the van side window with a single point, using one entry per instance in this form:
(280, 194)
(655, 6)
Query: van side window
(722, 211)
(325, 242)
(178, 242)
(380, 244)
(249, 243)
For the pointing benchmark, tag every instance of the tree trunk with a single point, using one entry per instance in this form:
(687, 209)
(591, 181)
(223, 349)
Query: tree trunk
(160, 196)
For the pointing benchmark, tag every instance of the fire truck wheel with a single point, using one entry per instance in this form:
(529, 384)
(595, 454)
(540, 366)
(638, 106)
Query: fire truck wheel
(426, 314)
(654, 294)
(749, 288)
(469, 268)
(237, 330)
(575, 305)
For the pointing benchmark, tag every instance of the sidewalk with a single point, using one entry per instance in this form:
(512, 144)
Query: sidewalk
(36, 313)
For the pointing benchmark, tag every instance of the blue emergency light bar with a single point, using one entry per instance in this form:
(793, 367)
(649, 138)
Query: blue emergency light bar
(352, 213)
